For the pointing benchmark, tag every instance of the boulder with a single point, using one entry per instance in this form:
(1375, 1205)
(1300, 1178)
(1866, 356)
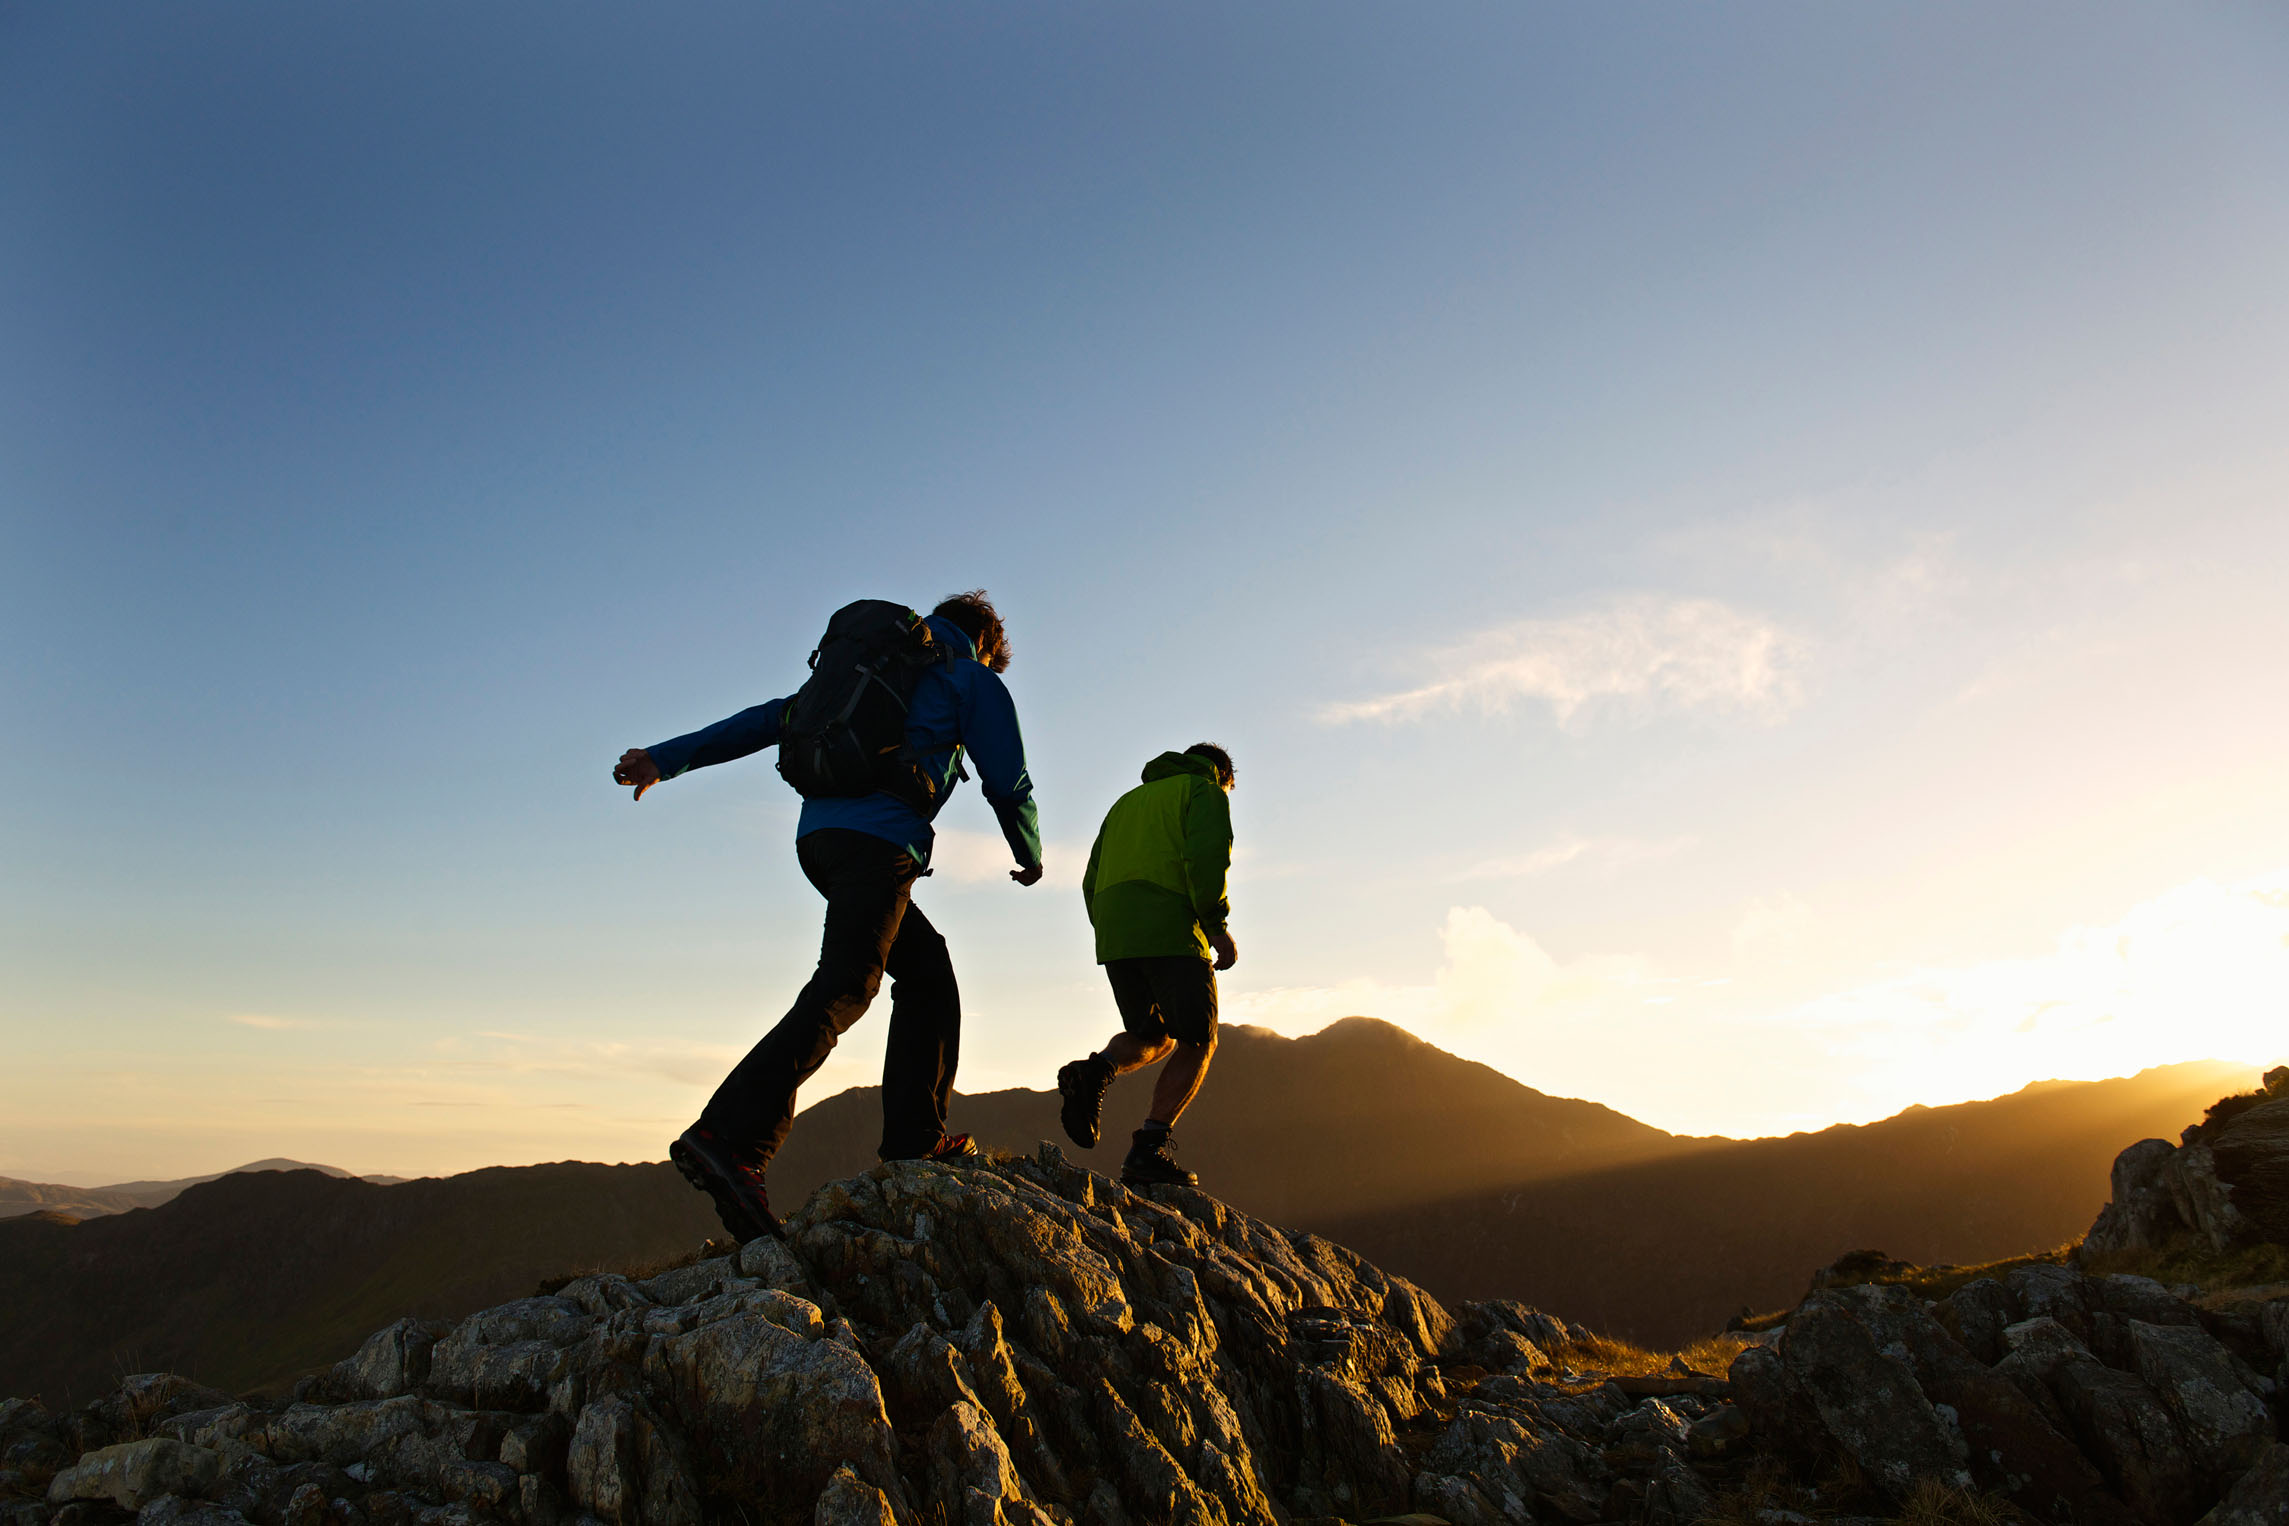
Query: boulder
(849, 1500)
(1975, 1315)
(134, 1473)
(2121, 1424)
(626, 1469)
(1868, 1400)
(2225, 1425)
(2013, 1445)
(2202, 1199)
(2261, 1496)
(2250, 1155)
(393, 1361)
(2142, 1214)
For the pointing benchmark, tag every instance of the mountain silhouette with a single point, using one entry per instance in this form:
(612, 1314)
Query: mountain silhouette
(20, 1197)
(1442, 1170)
(1664, 1251)
(1358, 1116)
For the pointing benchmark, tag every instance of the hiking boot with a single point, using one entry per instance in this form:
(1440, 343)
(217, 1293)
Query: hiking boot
(1154, 1164)
(1081, 1092)
(736, 1185)
(948, 1147)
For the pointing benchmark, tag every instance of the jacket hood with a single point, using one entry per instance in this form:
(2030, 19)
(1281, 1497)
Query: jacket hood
(1169, 764)
(955, 638)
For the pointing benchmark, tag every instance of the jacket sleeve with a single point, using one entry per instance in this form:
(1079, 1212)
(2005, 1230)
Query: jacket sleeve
(1208, 855)
(989, 731)
(751, 730)
(1089, 878)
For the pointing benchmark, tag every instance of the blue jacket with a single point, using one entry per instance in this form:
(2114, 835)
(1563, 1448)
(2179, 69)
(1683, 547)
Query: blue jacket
(958, 706)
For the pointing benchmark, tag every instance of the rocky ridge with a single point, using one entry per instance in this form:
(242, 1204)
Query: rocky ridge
(1020, 1341)
(2225, 1183)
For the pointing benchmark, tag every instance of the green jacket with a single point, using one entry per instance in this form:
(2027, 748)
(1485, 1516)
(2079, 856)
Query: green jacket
(1155, 881)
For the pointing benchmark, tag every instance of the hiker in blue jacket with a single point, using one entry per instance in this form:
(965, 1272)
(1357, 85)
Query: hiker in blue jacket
(864, 853)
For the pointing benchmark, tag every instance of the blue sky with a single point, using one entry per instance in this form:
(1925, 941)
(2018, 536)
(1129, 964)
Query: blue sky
(1739, 551)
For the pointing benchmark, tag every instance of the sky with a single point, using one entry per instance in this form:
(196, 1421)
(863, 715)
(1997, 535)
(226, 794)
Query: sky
(1739, 551)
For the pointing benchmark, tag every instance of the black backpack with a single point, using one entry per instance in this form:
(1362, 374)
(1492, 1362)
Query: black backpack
(844, 731)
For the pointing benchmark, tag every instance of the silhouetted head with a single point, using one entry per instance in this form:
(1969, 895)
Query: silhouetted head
(973, 614)
(1216, 756)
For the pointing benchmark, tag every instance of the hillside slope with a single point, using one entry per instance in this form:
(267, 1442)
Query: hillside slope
(21, 1197)
(1662, 1251)
(254, 1277)
(1360, 1115)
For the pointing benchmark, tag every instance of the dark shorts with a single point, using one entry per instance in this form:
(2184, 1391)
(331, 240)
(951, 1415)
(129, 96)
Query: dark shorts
(1165, 996)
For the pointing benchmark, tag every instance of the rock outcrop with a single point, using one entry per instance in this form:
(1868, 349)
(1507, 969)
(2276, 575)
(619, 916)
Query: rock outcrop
(2077, 1398)
(2225, 1183)
(1018, 1342)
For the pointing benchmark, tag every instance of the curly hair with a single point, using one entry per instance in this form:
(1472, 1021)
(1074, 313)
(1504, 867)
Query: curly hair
(1217, 756)
(974, 615)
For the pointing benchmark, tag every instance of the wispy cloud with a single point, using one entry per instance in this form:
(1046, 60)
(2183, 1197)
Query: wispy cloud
(267, 1022)
(1641, 651)
(974, 858)
(1605, 852)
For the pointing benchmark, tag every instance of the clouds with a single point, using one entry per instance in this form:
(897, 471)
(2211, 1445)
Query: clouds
(1642, 653)
(1608, 853)
(1493, 985)
(2198, 972)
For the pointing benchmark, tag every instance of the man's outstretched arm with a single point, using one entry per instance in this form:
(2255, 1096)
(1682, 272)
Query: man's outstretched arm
(751, 730)
(989, 731)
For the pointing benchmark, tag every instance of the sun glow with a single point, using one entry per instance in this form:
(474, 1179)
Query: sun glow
(2200, 972)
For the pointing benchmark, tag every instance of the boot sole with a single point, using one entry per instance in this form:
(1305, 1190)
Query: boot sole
(737, 1218)
(1085, 1138)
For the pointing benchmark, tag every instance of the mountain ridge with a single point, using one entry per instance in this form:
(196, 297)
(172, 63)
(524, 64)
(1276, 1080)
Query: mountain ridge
(1299, 1128)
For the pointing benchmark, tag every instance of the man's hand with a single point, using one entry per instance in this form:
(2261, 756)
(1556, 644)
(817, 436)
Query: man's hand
(636, 767)
(1030, 876)
(1227, 952)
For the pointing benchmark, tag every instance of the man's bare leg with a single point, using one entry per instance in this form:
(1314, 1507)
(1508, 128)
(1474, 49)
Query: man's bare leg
(1127, 1052)
(1180, 1080)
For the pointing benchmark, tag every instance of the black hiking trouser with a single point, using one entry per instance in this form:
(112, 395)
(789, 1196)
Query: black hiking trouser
(873, 928)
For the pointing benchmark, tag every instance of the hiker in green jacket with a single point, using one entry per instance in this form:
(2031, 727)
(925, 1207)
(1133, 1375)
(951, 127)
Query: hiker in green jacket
(1155, 892)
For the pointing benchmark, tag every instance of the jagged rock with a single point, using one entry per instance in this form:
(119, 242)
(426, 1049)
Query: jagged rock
(174, 1510)
(1502, 1336)
(1780, 1414)
(1020, 1342)
(2052, 1292)
(1867, 1399)
(2261, 1496)
(625, 1468)
(1975, 1315)
(2250, 1154)
(2143, 1213)
(1719, 1433)
(849, 1500)
(393, 1361)
(973, 1479)
(2202, 1200)
(2014, 1445)
(134, 1473)
(507, 1357)
(2120, 1422)
(2225, 1425)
